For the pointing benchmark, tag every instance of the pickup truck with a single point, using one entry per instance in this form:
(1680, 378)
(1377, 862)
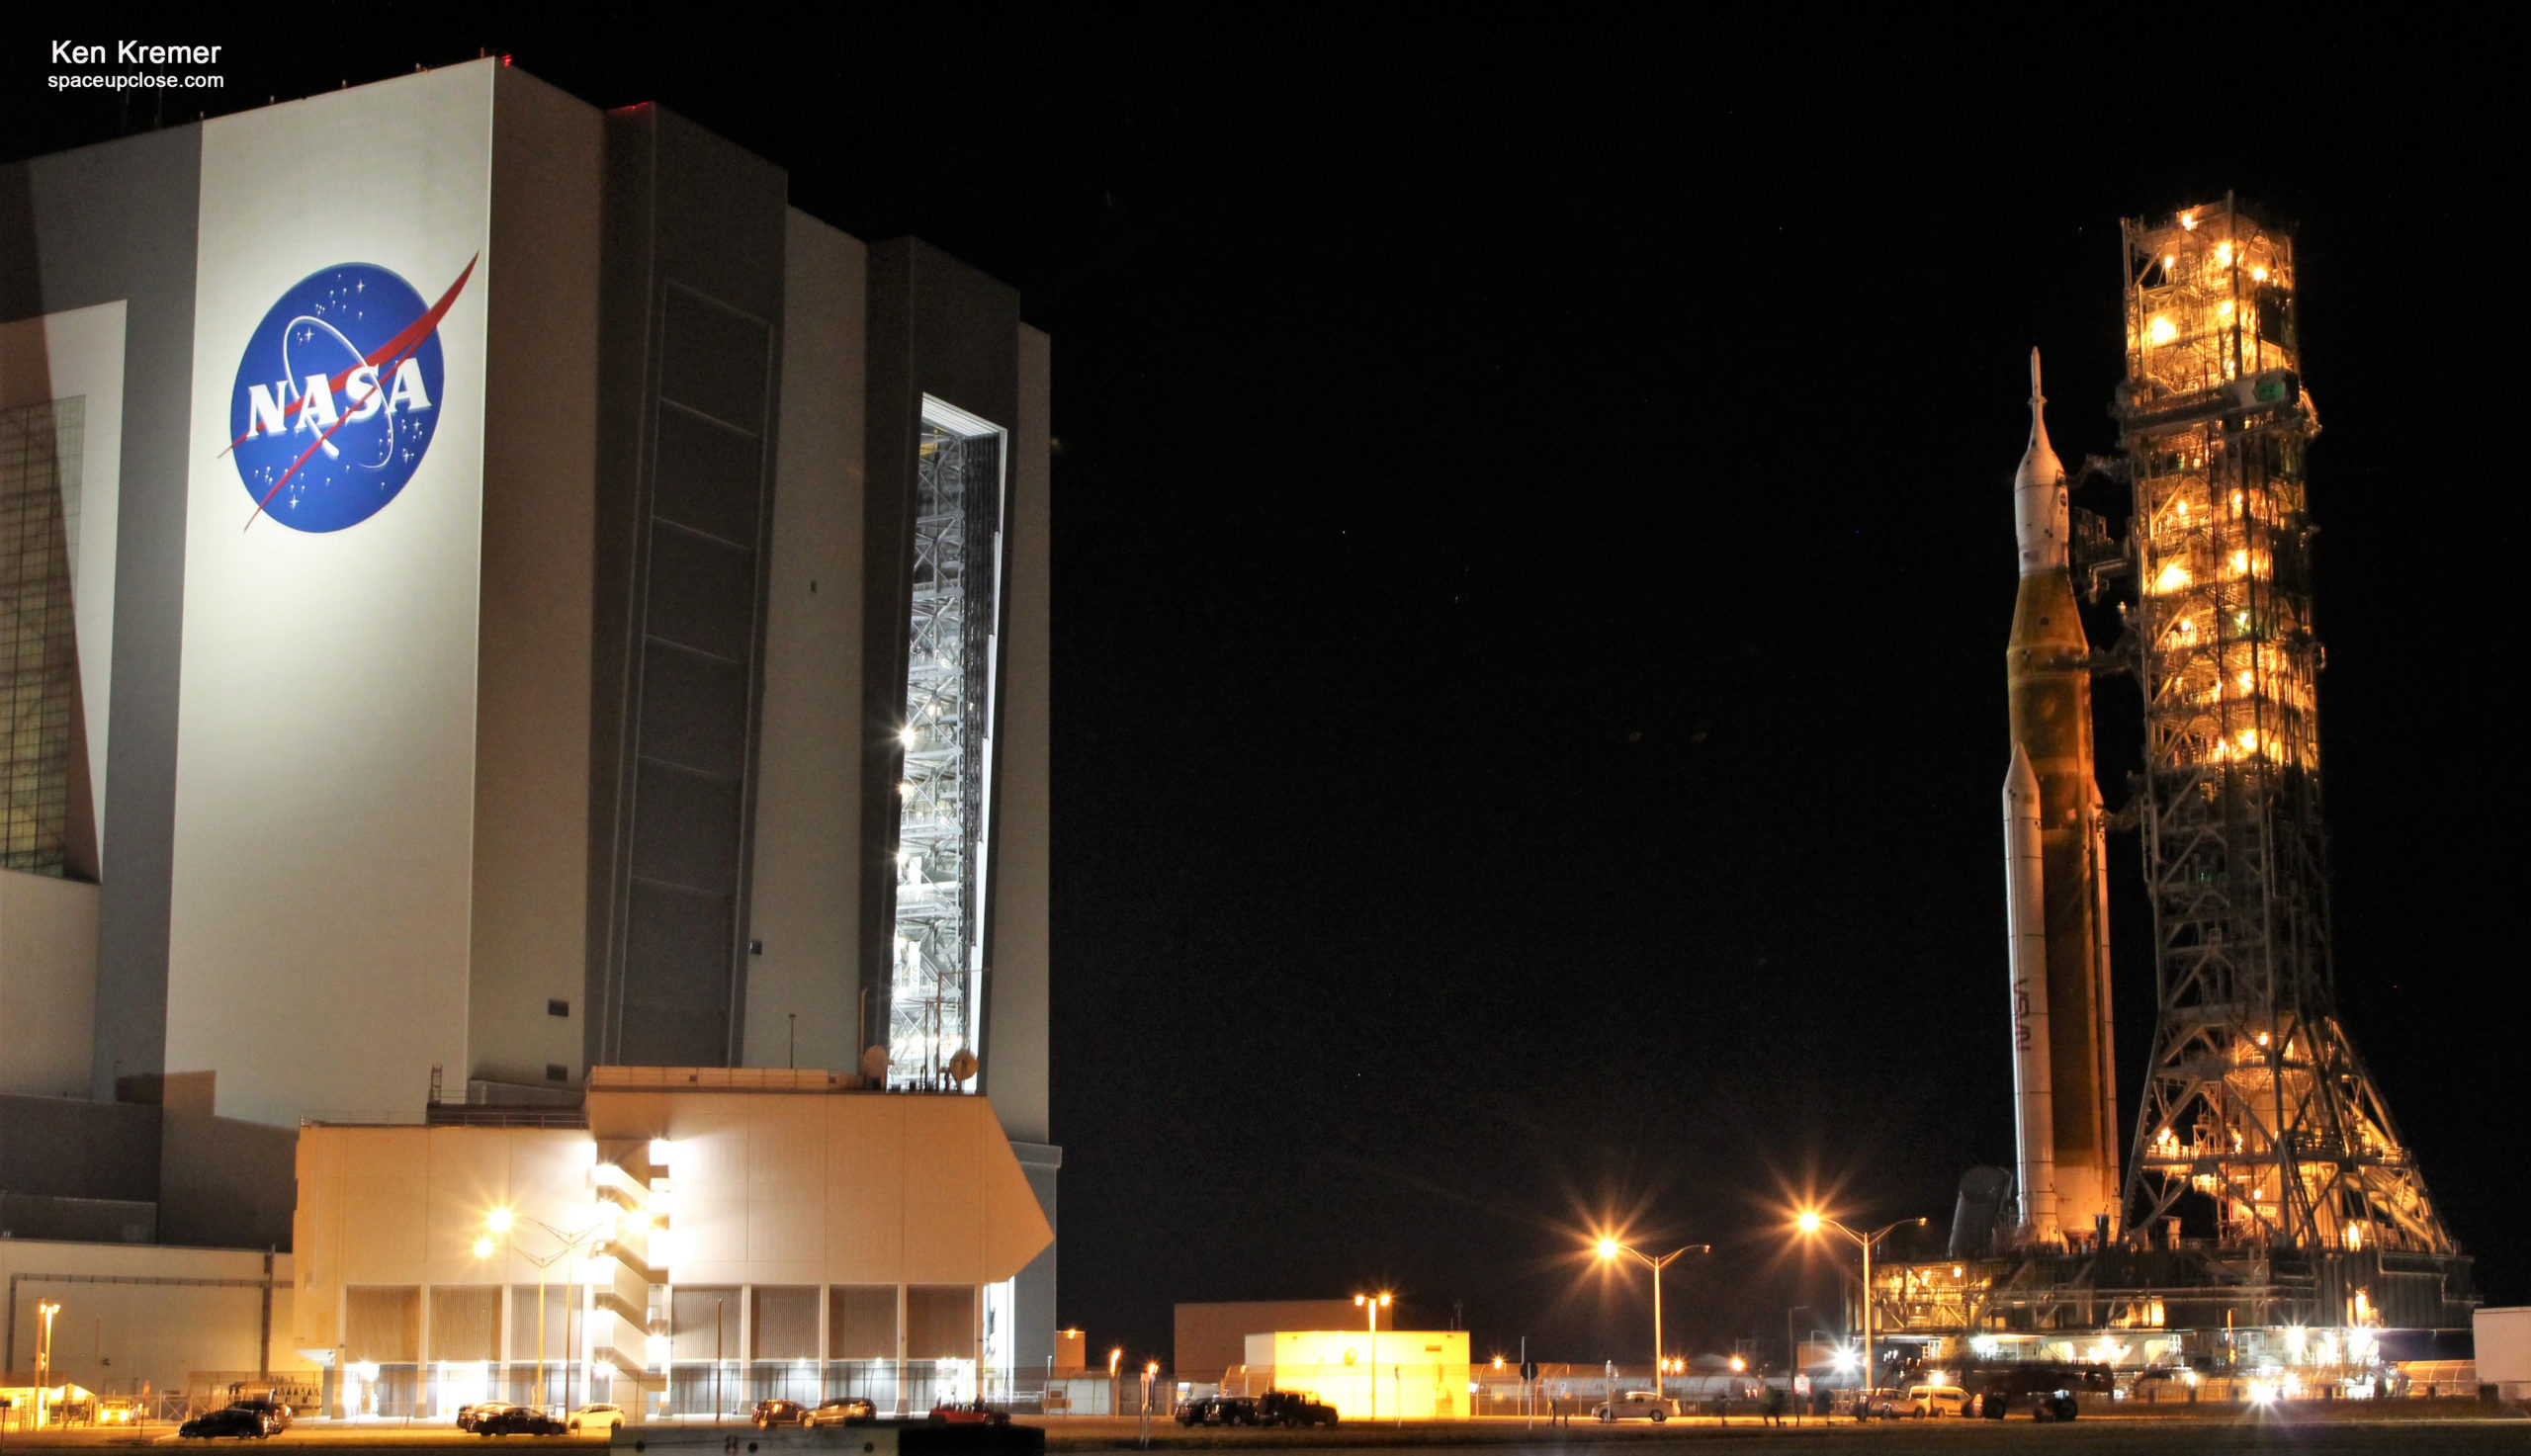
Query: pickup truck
(1294, 1408)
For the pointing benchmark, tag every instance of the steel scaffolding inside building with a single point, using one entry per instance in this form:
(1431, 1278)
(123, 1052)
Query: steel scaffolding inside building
(945, 792)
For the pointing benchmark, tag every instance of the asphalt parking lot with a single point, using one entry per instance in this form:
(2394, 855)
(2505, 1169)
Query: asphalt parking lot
(2462, 1429)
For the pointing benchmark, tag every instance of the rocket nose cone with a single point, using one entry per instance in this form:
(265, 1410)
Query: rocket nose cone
(2039, 463)
(2020, 781)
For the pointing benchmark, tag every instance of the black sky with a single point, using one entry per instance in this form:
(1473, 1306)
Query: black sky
(1534, 560)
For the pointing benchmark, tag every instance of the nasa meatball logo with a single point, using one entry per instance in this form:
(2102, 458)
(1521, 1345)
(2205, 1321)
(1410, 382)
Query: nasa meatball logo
(338, 396)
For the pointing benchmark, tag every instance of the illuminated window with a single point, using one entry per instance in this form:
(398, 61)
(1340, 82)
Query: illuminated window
(41, 447)
(945, 818)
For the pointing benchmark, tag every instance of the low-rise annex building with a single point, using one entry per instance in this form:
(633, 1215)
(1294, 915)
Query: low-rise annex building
(1397, 1374)
(694, 1239)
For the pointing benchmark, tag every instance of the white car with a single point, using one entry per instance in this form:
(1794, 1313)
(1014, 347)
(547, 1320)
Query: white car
(594, 1419)
(1936, 1400)
(1638, 1404)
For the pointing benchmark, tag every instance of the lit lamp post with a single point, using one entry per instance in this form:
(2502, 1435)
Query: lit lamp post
(44, 1309)
(1371, 1305)
(1610, 1249)
(502, 1222)
(1812, 1222)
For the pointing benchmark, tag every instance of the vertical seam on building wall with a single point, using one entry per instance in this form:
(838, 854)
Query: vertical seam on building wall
(627, 738)
(475, 598)
(742, 892)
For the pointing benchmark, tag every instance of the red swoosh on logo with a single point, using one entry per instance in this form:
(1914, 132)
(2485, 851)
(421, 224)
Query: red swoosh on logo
(384, 358)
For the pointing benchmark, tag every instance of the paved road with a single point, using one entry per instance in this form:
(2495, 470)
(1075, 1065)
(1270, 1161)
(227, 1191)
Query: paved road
(2091, 1436)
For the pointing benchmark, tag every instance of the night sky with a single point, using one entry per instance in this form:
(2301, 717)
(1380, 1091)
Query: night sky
(1533, 557)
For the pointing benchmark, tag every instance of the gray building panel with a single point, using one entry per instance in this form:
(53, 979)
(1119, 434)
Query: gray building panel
(1033, 1313)
(86, 228)
(803, 987)
(529, 932)
(1016, 1071)
(696, 249)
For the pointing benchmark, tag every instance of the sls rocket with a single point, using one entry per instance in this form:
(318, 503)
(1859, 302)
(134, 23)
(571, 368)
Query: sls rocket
(2055, 891)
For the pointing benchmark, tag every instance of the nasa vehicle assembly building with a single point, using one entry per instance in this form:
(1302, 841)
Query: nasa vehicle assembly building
(497, 603)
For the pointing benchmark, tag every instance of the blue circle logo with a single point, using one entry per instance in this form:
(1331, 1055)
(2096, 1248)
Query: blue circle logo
(338, 396)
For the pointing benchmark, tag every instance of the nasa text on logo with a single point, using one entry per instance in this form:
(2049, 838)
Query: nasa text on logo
(337, 397)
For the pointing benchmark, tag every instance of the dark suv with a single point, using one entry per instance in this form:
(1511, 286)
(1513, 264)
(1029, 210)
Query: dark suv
(273, 1413)
(519, 1420)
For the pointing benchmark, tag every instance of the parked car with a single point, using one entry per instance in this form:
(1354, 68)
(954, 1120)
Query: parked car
(1637, 1405)
(1884, 1405)
(230, 1422)
(1937, 1400)
(771, 1413)
(599, 1418)
(519, 1420)
(466, 1415)
(121, 1411)
(969, 1412)
(273, 1413)
(1294, 1408)
(841, 1411)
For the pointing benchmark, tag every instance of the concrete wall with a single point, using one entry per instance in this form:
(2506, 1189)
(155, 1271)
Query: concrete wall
(47, 984)
(1214, 1337)
(325, 772)
(848, 1188)
(404, 1206)
(105, 226)
(529, 931)
(803, 905)
(65, 1148)
(224, 1182)
(790, 1189)
(1414, 1374)
(1015, 1052)
(78, 355)
(131, 1315)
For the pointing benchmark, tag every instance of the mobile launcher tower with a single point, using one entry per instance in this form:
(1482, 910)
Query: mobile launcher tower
(2270, 1219)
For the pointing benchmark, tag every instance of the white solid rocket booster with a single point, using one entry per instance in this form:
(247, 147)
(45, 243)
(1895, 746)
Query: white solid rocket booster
(2025, 931)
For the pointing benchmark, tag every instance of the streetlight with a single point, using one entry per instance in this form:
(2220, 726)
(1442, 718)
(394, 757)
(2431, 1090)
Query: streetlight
(1812, 1222)
(1610, 1249)
(45, 1309)
(502, 1222)
(1372, 1304)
